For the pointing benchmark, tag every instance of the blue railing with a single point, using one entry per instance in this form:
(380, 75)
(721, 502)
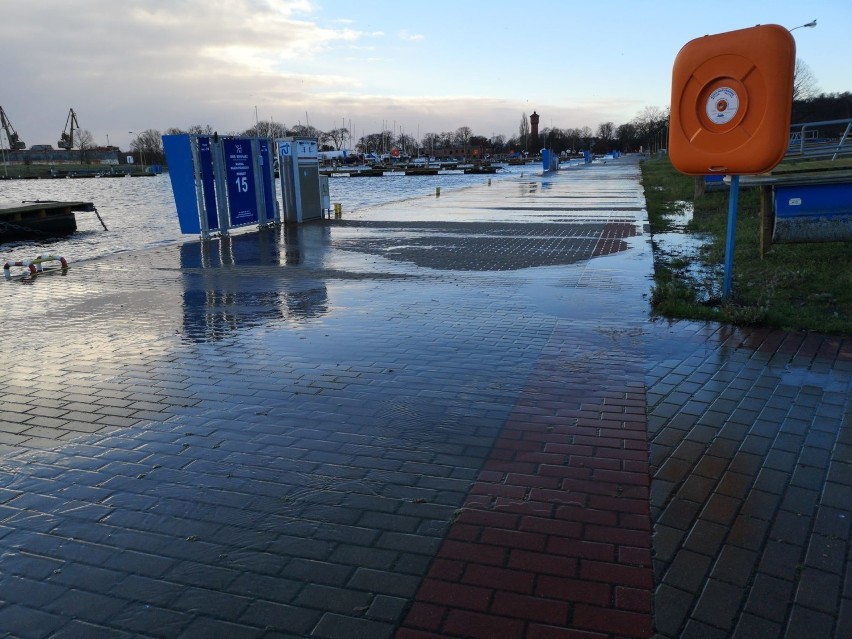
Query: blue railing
(829, 139)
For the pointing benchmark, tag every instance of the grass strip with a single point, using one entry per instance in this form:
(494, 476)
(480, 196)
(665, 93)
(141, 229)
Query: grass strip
(795, 287)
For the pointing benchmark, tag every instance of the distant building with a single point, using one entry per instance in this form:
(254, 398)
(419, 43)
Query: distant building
(534, 142)
(46, 154)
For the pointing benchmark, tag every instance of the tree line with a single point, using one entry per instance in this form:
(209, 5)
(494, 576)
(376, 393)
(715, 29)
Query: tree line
(462, 141)
(647, 131)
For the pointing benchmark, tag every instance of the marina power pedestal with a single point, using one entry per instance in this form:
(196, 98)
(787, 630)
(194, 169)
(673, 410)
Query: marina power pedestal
(298, 167)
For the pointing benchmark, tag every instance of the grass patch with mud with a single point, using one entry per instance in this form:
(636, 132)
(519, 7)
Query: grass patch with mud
(796, 287)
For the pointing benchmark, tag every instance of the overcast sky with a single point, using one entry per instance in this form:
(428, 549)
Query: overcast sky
(422, 66)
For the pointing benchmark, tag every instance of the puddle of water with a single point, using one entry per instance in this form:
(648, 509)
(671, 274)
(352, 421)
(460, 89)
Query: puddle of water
(680, 251)
(681, 216)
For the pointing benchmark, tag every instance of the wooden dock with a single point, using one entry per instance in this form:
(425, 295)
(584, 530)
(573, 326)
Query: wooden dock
(39, 219)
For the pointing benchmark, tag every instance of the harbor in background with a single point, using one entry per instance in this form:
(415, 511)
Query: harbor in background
(140, 213)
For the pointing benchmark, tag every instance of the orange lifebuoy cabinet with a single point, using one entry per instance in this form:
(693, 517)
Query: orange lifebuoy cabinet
(731, 99)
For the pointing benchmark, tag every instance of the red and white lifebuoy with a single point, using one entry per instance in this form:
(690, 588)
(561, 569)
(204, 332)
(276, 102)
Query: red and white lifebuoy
(34, 266)
(49, 258)
(7, 268)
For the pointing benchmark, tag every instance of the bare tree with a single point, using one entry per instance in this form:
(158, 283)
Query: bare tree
(804, 82)
(649, 119)
(149, 146)
(524, 130)
(406, 143)
(149, 141)
(606, 131)
(336, 136)
(652, 125)
(374, 142)
(586, 135)
(462, 137)
(307, 131)
(84, 141)
(431, 141)
(197, 129)
(627, 136)
(271, 129)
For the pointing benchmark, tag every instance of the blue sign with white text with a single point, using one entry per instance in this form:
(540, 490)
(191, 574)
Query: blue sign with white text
(208, 181)
(239, 172)
(267, 178)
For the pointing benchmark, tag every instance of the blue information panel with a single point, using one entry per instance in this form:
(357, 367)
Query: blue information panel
(208, 181)
(267, 178)
(239, 171)
(181, 173)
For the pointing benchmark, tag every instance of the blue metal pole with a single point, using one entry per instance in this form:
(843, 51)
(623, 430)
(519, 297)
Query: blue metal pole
(732, 229)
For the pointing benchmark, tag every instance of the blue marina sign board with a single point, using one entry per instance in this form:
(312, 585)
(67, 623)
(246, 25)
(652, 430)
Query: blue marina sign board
(221, 184)
(208, 180)
(267, 178)
(242, 198)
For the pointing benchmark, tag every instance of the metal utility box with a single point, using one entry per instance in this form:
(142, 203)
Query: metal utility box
(298, 167)
(325, 193)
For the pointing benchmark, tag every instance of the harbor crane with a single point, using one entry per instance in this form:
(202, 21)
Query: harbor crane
(15, 143)
(67, 140)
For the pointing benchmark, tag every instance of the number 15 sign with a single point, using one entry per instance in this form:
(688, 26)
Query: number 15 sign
(239, 169)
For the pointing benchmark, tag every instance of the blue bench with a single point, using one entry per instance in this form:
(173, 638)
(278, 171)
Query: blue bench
(813, 213)
(811, 206)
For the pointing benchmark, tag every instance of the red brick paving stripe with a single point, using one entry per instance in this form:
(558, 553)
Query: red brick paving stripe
(574, 590)
(581, 549)
(554, 539)
(447, 569)
(408, 633)
(633, 599)
(461, 623)
(540, 563)
(614, 622)
(453, 595)
(426, 616)
(536, 631)
(519, 581)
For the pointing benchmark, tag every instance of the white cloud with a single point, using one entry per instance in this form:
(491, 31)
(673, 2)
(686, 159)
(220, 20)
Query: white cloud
(410, 37)
(134, 65)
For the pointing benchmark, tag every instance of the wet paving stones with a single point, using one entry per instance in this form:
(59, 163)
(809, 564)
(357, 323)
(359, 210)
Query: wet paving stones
(449, 417)
(738, 510)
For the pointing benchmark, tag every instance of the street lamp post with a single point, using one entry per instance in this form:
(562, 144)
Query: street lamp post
(810, 25)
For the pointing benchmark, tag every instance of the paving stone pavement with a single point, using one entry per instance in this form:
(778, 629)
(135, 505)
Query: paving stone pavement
(447, 417)
(750, 437)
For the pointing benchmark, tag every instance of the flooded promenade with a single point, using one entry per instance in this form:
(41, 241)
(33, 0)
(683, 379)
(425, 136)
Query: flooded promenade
(445, 417)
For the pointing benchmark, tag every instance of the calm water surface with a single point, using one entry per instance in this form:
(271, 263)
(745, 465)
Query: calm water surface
(140, 212)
